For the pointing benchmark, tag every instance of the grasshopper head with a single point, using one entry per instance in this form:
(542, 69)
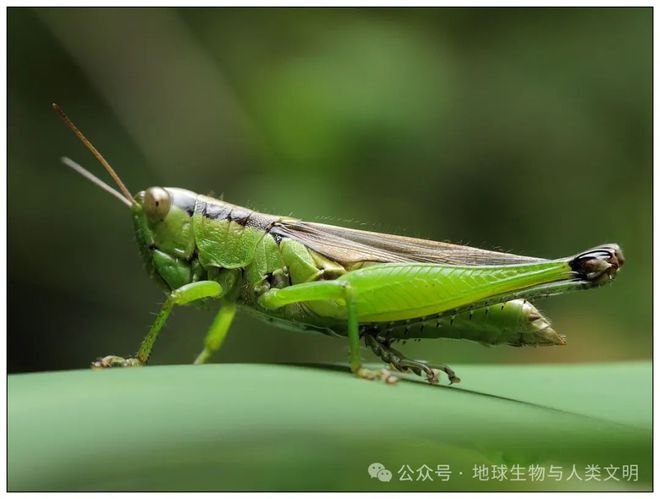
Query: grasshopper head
(162, 218)
(163, 227)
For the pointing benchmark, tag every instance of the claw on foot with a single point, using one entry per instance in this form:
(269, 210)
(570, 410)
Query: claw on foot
(453, 379)
(365, 373)
(115, 361)
(388, 377)
(383, 375)
(432, 374)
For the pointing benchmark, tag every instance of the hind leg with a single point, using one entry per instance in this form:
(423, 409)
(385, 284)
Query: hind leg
(398, 361)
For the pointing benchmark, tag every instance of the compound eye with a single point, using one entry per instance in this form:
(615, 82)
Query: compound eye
(156, 204)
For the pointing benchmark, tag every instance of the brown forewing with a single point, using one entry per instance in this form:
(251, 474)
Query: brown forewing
(351, 246)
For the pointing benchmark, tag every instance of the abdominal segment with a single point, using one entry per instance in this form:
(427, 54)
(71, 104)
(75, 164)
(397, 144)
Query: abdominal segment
(515, 323)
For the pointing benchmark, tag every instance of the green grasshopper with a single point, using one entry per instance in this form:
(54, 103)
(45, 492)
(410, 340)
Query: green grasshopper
(306, 276)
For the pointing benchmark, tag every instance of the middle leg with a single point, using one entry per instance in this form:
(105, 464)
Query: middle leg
(324, 291)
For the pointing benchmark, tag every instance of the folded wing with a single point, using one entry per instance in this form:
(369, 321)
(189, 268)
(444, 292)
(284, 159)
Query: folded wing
(352, 246)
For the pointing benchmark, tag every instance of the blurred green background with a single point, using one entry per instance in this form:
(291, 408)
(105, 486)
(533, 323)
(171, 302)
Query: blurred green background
(526, 130)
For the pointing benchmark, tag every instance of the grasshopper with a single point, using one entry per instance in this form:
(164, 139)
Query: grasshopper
(379, 288)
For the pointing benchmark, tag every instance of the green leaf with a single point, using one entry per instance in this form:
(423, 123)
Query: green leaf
(282, 427)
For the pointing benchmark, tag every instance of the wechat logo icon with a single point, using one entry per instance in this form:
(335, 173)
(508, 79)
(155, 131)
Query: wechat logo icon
(377, 470)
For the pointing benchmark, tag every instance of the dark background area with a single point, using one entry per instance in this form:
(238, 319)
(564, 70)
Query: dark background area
(525, 130)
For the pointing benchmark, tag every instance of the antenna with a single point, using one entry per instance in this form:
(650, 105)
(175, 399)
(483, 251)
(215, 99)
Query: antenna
(96, 154)
(94, 179)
